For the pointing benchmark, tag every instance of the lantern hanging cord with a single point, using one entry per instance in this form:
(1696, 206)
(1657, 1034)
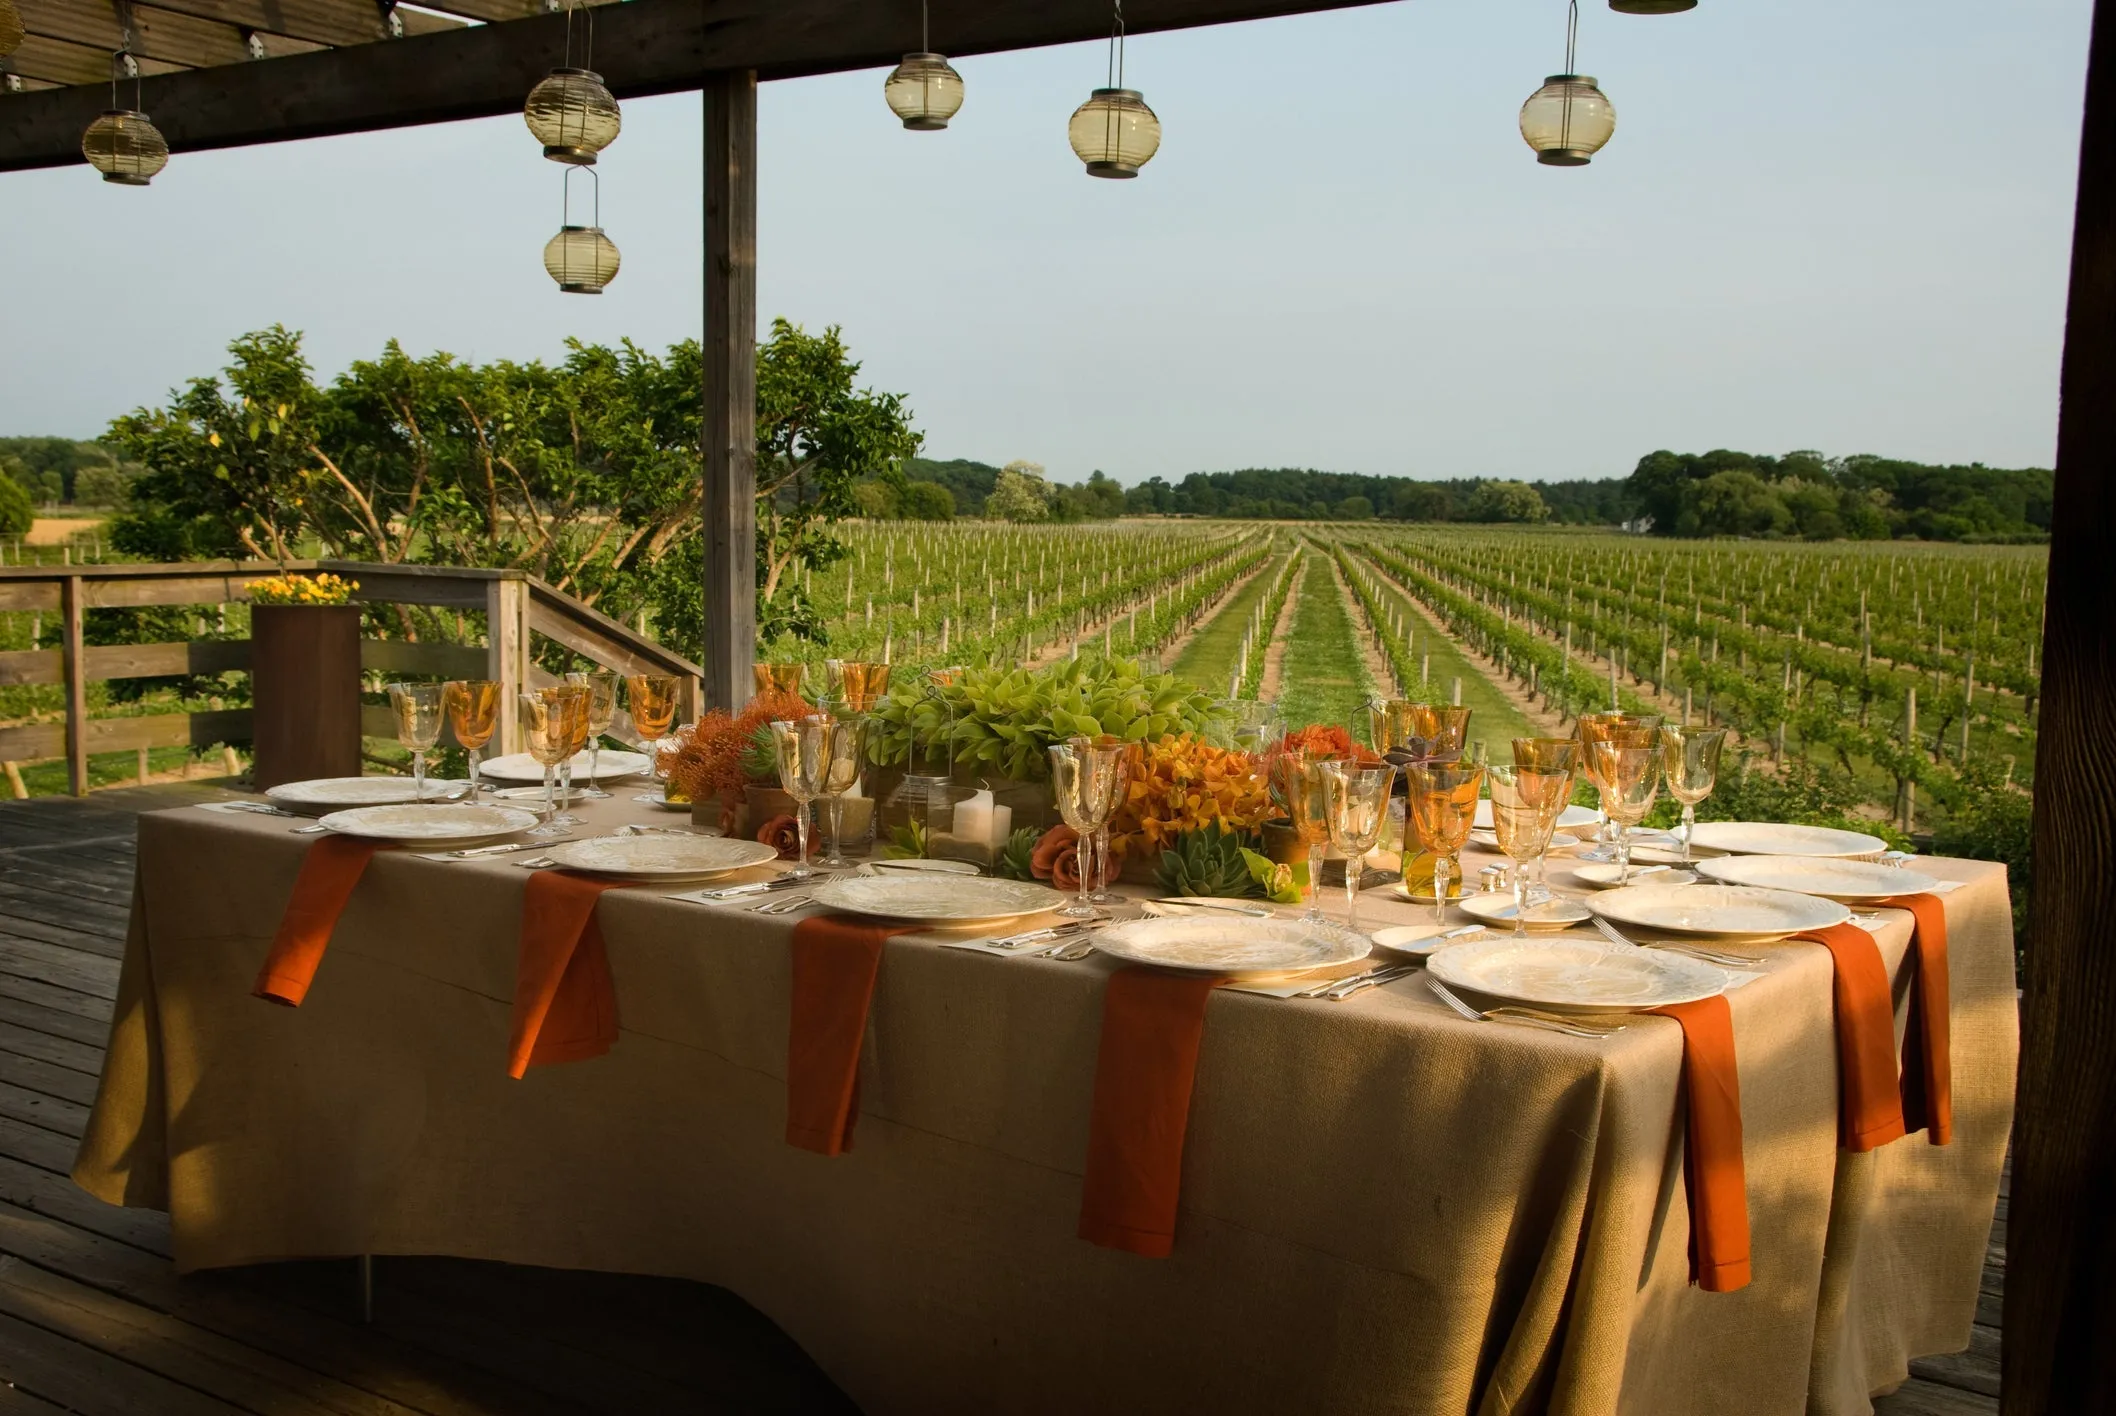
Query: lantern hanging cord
(122, 65)
(925, 40)
(565, 197)
(588, 57)
(1572, 36)
(1116, 47)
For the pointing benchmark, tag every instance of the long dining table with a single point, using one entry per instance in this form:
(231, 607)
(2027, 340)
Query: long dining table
(1384, 1206)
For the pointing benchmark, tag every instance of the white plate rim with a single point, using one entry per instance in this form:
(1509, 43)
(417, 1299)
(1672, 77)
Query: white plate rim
(1612, 905)
(1353, 946)
(1858, 844)
(567, 853)
(1446, 965)
(504, 769)
(831, 894)
(1724, 870)
(345, 823)
(438, 789)
(1485, 914)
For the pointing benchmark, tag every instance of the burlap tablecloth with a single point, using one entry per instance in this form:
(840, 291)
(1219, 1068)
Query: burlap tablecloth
(1386, 1208)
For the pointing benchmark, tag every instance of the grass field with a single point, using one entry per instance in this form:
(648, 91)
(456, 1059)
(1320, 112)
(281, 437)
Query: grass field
(1215, 651)
(1323, 678)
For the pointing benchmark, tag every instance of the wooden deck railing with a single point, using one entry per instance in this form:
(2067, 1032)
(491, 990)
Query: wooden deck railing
(515, 607)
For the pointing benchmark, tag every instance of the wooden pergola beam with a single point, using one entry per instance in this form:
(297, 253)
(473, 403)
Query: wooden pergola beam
(641, 47)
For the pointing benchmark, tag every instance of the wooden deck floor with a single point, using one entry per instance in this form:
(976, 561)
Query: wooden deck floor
(94, 1320)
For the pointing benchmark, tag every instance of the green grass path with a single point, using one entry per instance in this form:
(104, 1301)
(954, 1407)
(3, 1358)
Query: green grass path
(1323, 678)
(1215, 651)
(1493, 717)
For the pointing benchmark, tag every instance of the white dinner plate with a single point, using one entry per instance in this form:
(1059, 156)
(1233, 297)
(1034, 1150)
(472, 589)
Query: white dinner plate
(1496, 908)
(1588, 975)
(1733, 912)
(670, 858)
(1570, 817)
(336, 793)
(1602, 875)
(1849, 881)
(1774, 838)
(1232, 944)
(946, 900)
(1417, 940)
(522, 769)
(912, 865)
(430, 825)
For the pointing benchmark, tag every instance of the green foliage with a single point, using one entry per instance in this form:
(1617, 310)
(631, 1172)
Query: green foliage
(1506, 501)
(906, 842)
(1289, 493)
(925, 501)
(1005, 720)
(1209, 861)
(1016, 858)
(1276, 881)
(1991, 820)
(48, 467)
(1020, 493)
(16, 512)
(1805, 495)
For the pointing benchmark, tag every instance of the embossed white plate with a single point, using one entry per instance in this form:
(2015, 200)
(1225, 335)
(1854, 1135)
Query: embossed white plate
(947, 900)
(1496, 908)
(1590, 975)
(520, 768)
(1774, 838)
(670, 858)
(1719, 911)
(1232, 944)
(1851, 881)
(333, 793)
(430, 825)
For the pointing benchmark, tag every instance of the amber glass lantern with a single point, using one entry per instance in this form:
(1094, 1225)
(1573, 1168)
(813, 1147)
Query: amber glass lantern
(11, 32)
(125, 147)
(581, 259)
(1567, 121)
(1114, 133)
(1652, 7)
(924, 91)
(573, 115)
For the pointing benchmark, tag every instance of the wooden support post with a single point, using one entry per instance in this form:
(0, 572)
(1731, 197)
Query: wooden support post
(730, 422)
(2060, 1350)
(507, 656)
(75, 670)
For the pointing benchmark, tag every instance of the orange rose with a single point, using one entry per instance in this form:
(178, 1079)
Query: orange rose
(783, 834)
(1059, 845)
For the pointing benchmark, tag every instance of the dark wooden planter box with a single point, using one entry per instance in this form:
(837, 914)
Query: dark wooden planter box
(305, 676)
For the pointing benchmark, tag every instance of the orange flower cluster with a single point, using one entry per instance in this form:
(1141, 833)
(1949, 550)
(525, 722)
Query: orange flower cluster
(1325, 741)
(705, 758)
(1183, 783)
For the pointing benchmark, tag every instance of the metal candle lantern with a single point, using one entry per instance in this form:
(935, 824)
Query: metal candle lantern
(1114, 132)
(924, 91)
(122, 143)
(1569, 119)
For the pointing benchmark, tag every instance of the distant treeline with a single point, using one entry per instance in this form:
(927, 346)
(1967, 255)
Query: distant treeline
(1801, 495)
(52, 470)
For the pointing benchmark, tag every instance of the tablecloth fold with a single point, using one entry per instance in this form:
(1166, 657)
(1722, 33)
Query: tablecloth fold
(835, 961)
(1928, 1063)
(565, 1006)
(1714, 1175)
(1869, 1095)
(1153, 1022)
(330, 868)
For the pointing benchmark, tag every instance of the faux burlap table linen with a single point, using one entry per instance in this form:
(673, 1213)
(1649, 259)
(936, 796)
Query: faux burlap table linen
(1384, 1208)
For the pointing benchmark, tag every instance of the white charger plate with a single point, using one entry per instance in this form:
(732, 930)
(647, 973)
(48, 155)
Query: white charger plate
(522, 769)
(1496, 908)
(656, 857)
(1776, 838)
(947, 900)
(1848, 881)
(1231, 944)
(1578, 975)
(1731, 912)
(336, 793)
(430, 825)
(1569, 818)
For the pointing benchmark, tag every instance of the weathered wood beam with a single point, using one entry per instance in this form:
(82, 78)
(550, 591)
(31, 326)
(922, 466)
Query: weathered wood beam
(2060, 1351)
(641, 47)
(332, 22)
(729, 432)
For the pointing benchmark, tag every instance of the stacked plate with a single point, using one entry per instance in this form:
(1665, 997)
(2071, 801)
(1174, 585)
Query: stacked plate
(426, 824)
(336, 793)
(666, 859)
(1733, 913)
(520, 769)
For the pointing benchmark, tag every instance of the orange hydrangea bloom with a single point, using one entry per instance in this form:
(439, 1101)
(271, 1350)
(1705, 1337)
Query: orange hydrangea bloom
(1183, 783)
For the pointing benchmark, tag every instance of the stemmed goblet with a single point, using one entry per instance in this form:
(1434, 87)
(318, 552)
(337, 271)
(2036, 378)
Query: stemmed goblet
(601, 685)
(473, 715)
(1632, 730)
(804, 747)
(1690, 758)
(1524, 811)
(418, 707)
(1086, 781)
(651, 700)
(574, 700)
(848, 759)
(1356, 800)
(1098, 891)
(1442, 807)
(1297, 786)
(549, 738)
(1629, 778)
(1545, 755)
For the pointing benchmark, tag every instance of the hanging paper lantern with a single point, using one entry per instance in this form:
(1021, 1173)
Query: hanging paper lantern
(581, 259)
(573, 115)
(125, 147)
(1567, 121)
(1652, 7)
(11, 32)
(1114, 133)
(924, 91)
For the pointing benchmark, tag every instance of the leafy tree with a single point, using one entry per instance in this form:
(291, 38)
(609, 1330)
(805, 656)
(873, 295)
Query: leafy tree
(1506, 501)
(1740, 504)
(16, 512)
(1020, 493)
(926, 501)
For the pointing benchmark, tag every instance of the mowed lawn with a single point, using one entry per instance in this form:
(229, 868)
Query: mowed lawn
(1323, 678)
(1215, 651)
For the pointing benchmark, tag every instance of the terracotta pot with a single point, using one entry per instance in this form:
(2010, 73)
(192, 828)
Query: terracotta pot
(305, 679)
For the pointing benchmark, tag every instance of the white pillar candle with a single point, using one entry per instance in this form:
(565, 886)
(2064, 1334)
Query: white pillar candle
(1002, 826)
(973, 818)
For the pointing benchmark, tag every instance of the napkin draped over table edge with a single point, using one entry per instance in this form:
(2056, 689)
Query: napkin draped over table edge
(836, 959)
(1879, 1102)
(565, 1004)
(1714, 1175)
(330, 869)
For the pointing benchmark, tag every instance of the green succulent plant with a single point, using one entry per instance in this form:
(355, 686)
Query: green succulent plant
(1206, 862)
(760, 755)
(1016, 857)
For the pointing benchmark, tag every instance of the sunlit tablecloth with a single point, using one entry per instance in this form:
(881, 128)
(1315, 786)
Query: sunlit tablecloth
(1386, 1208)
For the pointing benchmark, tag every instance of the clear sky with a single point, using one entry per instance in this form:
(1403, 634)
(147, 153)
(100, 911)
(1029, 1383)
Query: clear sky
(1821, 224)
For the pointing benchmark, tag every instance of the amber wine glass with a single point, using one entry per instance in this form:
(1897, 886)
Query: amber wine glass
(651, 700)
(1630, 778)
(1524, 811)
(1546, 755)
(549, 739)
(1442, 806)
(473, 715)
(1690, 758)
(1630, 730)
(419, 714)
(571, 703)
(602, 706)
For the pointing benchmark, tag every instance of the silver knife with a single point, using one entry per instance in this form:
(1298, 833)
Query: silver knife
(1196, 903)
(508, 849)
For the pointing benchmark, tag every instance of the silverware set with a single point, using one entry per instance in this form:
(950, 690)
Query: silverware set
(1061, 942)
(1338, 989)
(1526, 1017)
(1694, 951)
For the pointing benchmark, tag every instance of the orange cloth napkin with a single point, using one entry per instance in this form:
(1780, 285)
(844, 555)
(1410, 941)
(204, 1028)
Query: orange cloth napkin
(330, 869)
(1928, 1064)
(565, 1007)
(835, 960)
(1869, 1097)
(1713, 1173)
(1152, 1024)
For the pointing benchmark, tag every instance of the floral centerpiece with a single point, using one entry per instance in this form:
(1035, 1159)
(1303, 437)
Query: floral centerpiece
(723, 756)
(320, 590)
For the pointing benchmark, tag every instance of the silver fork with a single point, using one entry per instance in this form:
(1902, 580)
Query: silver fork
(1527, 1017)
(1694, 951)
